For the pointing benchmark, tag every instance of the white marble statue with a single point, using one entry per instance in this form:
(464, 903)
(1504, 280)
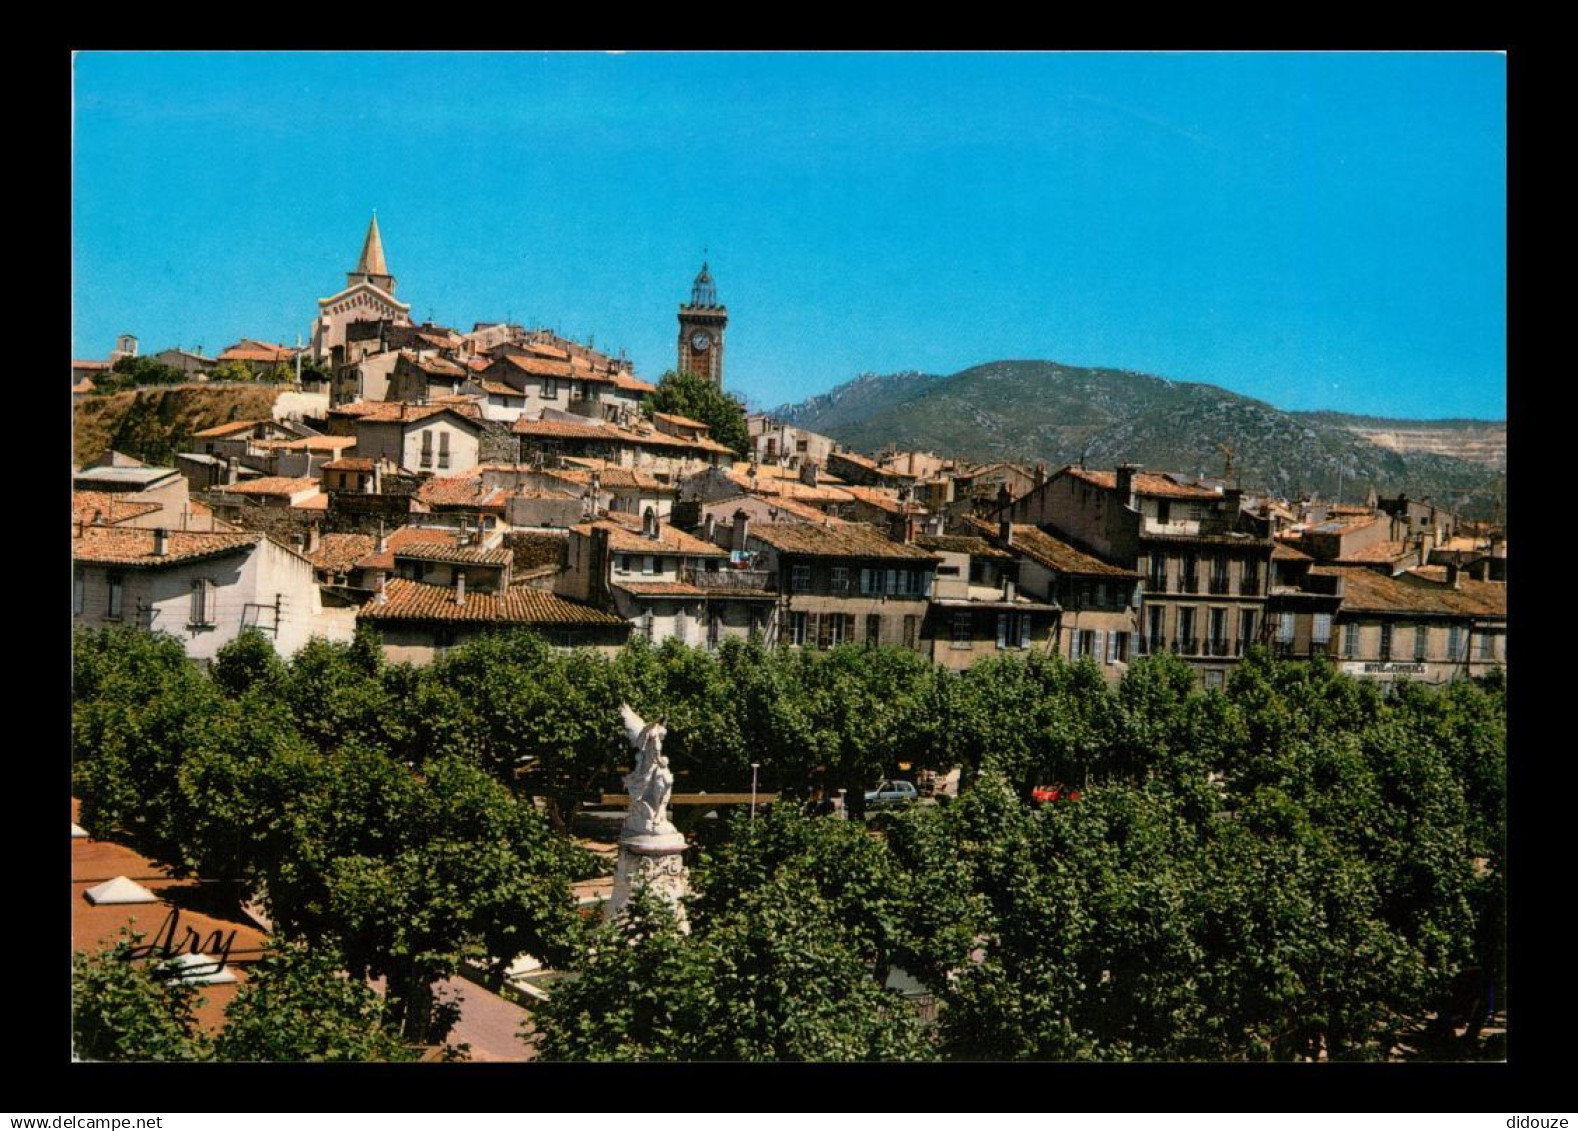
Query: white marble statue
(651, 783)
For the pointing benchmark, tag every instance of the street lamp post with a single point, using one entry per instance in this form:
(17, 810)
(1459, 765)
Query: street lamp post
(754, 766)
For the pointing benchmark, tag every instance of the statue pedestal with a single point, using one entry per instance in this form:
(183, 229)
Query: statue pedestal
(655, 861)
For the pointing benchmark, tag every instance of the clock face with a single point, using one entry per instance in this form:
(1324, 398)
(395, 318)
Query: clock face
(700, 341)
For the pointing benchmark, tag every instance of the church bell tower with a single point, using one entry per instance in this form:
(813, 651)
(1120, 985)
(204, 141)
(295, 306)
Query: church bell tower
(701, 325)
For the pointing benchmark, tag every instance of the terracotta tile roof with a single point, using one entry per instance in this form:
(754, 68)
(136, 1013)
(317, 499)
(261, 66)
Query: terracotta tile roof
(567, 429)
(350, 463)
(633, 384)
(624, 536)
(98, 927)
(1145, 483)
(612, 477)
(860, 460)
(782, 504)
(776, 487)
(339, 553)
(1366, 590)
(356, 408)
(459, 491)
(1378, 552)
(401, 412)
(107, 507)
(230, 429)
(976, 547)
(499, 389)
(834, 540)
(129, 546)
(682, 421)
(1282, 552)
(465, 555)
(564, 370)
(270, 485)
(883, 499)
(400, 539)
(660, 589)
(416, 601)
(1348, 524)
(315, 503)
(546, 349)
(613, 434)
(318, 444)
(1056, 554)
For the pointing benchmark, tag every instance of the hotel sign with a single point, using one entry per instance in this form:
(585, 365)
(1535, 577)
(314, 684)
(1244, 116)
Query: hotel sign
(1383, 669)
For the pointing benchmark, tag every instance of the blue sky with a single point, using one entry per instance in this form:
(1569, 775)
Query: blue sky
(1316, 230)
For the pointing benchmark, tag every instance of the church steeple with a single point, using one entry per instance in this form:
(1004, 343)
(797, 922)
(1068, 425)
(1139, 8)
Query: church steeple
(371, 268)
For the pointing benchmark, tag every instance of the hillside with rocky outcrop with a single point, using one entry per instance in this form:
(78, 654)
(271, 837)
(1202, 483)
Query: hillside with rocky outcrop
(152, 424)
(1037, 410)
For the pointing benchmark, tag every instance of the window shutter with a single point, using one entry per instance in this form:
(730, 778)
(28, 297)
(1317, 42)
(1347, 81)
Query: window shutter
(1002, 630)
(824, 624)
(1024, 630)
(1099, 641)
(1112, 646)
(926, 592)
(865, 581)
(893, 581)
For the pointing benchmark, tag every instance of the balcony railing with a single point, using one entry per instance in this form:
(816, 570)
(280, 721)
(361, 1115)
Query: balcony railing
(1186, 647)
(1218, 647)
(726, 579)
(1189, 584)
(1219, 586)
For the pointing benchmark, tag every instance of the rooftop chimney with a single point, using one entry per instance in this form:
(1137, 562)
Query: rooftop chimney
(649, 524)
(1125, 477)
(1005, 532)
(383, 539)
(742, 528)
(708, 528)
(312, 539)
(808, 472)
(460, 587)
(1040, 475)
(161, 542)
(1454, 575)
(1008, 588)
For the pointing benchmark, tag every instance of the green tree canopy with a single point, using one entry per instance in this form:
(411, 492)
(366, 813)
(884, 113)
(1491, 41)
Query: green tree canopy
(689, 394)
(298, 1004)
(123, 1009)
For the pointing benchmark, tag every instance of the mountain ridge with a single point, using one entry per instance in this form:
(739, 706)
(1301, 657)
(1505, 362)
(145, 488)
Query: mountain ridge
(1039, 410)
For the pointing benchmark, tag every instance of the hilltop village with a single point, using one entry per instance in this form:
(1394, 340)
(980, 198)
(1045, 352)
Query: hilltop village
(435, 484)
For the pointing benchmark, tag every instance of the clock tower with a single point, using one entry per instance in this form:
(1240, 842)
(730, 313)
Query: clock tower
(701, 325)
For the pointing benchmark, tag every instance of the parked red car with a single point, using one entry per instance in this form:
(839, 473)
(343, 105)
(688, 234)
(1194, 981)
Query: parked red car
(1057, 791)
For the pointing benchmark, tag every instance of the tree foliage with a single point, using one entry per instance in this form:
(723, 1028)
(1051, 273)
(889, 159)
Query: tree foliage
(695, 396)
(134, 372)
(1298, 865)
(299, 1005)
(125, 1010)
